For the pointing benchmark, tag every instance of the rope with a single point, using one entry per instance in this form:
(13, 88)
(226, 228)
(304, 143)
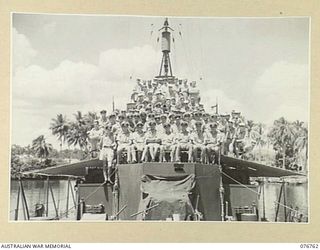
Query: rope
(257, 192)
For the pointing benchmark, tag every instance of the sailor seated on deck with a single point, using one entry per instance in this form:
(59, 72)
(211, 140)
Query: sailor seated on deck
(168, 143)
(240, 140)
(107, 146)
(212, 142)
(248, 149)
(152, 141)
(138, 140)
(184, 142)
(124, 141)
(94, 137)
(198, 142)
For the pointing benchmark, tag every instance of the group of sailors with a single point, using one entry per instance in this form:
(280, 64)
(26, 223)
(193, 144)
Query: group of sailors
(158, 127)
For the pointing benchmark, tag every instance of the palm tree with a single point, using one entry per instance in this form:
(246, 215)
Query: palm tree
(79, 119)
(301, 142)
(60, 127)
(41, 148)
(77, 136)
(282, 134)
(89, 119)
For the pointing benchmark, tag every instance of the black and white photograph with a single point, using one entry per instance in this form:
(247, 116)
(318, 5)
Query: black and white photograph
(159, 118)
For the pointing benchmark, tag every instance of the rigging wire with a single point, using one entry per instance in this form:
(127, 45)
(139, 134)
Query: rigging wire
(85, 198)
(279, 203)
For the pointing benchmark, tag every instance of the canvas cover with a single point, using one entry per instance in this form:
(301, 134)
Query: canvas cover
(170, 195)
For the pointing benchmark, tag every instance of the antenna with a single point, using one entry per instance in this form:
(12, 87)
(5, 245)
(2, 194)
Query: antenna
(165, 68)
(216, 106)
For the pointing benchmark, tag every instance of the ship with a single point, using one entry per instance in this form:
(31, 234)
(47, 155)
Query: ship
(165, 191)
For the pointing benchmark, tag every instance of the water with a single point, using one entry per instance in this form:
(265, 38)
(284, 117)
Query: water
(296, 196)
(35, 191)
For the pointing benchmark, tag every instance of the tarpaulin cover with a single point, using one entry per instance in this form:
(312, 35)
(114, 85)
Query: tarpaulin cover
(170, 194)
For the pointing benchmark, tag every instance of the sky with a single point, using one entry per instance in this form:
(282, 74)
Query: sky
(65, 63)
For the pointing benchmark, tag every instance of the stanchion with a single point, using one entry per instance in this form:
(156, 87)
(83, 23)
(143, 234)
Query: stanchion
(47, 197)
(54, 202)
(24, 201)
(67, 205)
(16, 213)
(221, 189)
(279, 200)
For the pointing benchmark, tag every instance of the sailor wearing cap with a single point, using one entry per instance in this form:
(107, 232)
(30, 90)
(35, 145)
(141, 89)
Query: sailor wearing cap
(138, 85)
(168, 143)
(121, 118)
(211, 142)
(153, 141)
(197, 139)
(240, 134)
(249, 149)
(103, 120)
(158, 108)
(163, 118)
(214, 117)
(206, 120)
(159, 126)
(134, 96)
(187, 117)
(231, 136)
(130, 120)
(183, 142)
(124, 141)
(115, 125)
(140, 97)
(138, 140)
(197, 117)
(107, 146)
(94, 137)
(176, 127)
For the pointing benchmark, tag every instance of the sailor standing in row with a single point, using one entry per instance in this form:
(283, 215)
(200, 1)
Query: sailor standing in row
(107, 147)
(94, 136)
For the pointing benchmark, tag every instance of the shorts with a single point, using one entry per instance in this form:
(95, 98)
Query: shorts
(167, 147)
(106, 154)
(122, 146)
(212, 147)
(198, 145)
(139, 146)
(184, 145)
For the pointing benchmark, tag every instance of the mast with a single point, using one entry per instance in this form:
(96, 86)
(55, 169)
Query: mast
(165, 68)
